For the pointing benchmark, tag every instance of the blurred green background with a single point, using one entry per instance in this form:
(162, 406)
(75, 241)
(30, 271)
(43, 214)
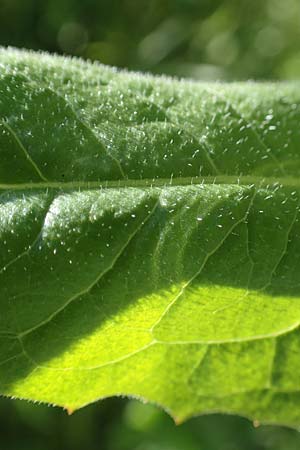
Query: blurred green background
(205, 39)
(202, 39)
(117, 424)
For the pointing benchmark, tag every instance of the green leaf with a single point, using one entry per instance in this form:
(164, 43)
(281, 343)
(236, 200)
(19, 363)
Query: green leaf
(150, 239)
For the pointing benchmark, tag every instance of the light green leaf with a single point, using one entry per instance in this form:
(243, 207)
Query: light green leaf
(149, 239)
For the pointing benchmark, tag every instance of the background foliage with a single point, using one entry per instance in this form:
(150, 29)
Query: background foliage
(204, 39)
(224, 39)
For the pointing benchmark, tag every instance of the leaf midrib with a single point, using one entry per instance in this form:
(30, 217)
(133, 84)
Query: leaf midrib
(246, 180)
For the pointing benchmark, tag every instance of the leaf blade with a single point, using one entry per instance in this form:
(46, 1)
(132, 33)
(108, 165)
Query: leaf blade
(157, 253)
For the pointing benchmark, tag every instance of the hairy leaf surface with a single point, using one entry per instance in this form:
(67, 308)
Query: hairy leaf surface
(149, 239)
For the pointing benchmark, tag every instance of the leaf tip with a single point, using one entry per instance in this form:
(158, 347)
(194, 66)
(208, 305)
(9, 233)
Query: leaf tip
(178, 420)
(69, 410)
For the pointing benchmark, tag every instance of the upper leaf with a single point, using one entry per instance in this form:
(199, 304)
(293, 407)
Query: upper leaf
(149, 239)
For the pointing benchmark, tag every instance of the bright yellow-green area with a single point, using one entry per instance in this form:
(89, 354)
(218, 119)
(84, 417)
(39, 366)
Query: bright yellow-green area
(149, 239)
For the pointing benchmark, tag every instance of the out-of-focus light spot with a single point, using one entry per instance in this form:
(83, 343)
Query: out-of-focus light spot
(282, 11)
(72, 37)
(222, 49)
(269, 41)
(162, 41)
